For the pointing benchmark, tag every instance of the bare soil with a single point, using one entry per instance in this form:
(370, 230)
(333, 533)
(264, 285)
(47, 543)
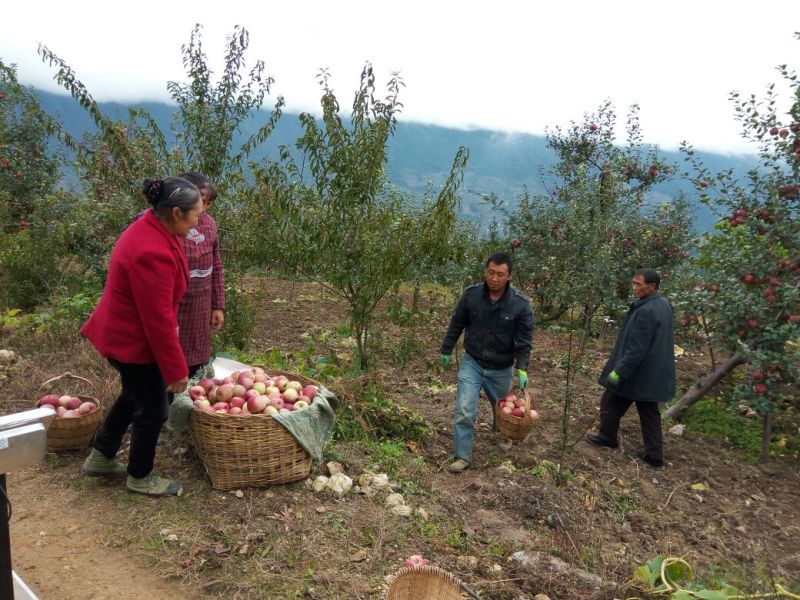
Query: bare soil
(602, 511)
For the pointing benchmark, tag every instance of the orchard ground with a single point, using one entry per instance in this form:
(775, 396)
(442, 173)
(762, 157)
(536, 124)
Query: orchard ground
(603, 511)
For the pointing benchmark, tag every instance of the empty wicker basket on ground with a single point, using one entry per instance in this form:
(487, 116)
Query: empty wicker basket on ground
(249, 451)
(426, 583)
(72, 434)
(515, 428)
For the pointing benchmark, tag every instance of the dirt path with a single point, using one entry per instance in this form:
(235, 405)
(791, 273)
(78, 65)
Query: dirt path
(64, 549)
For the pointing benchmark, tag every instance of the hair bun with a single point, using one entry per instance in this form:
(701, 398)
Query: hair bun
(152, 189)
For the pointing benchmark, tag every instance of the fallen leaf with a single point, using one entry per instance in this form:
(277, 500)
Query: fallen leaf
(359, 556)
(700, 487)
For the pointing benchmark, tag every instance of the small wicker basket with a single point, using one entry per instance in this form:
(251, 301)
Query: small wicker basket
(248, 451)
(426, 583)
(72, 434)
(515, 428)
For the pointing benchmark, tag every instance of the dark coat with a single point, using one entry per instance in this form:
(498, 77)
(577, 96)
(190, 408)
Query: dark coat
(644, 354)
(498, 334)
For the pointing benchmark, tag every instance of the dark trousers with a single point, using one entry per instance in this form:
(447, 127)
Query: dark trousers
(613, 408)
(193, 369)
(142, 405)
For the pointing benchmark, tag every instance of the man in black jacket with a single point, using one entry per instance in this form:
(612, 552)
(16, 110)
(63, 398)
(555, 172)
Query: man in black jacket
(498, 320)
(641, 369)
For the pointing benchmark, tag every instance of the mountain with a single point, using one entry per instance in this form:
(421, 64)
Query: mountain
(499, 163)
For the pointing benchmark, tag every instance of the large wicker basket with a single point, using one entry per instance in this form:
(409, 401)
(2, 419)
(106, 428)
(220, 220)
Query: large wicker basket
(248, 451)
(515, 428)
(426, 583)
(72, 434)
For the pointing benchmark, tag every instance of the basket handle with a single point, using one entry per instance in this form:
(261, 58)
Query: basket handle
(527, 401)
(52, 380)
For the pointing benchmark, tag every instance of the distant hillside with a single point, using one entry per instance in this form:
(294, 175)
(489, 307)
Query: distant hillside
(499, 163)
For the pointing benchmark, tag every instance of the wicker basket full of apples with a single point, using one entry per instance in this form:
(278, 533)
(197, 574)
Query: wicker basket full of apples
(77, 415)
(234, 434)
(515, 416)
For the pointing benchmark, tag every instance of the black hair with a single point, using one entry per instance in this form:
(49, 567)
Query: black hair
(165, 194)
(198, 179)
(649, 276)
(212, 192)
(501, 258)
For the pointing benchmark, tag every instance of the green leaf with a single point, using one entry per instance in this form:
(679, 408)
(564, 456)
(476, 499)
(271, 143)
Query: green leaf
(644, 574)
(678, 570)
(682, 595)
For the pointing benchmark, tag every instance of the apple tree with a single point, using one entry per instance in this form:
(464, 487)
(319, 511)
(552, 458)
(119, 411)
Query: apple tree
(579, 244)
(28, 169)
(336, 218)
(749, 266)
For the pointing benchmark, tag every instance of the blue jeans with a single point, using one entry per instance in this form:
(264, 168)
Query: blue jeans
(471, 379)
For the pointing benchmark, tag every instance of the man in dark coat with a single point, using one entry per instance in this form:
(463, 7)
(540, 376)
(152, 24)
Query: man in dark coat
(641, 369)
(498, 320)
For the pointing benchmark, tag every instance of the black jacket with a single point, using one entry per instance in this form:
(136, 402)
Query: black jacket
(644, 354)
(498, 334)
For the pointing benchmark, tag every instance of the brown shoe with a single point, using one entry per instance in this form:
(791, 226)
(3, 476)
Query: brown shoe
(458, 466)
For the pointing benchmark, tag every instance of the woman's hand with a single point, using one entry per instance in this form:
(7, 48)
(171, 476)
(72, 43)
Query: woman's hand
(217, 319)
(176, 387)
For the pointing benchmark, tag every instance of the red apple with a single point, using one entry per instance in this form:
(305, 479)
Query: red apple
(310, 391)
(86, 407)
(196, 391)
(257, 404)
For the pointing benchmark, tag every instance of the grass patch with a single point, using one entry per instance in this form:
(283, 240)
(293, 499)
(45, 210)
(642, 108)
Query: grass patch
(712, 417)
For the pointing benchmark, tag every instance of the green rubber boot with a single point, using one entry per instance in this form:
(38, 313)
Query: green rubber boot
(98, 465)
(154, 485)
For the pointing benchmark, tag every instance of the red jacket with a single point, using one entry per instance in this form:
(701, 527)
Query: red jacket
(136, 319)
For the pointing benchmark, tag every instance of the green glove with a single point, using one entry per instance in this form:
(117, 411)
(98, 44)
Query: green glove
(522, 376)
(445, 358)
(613, 378)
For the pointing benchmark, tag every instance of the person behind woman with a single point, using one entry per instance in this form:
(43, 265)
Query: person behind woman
(134, 326)
(202, 310)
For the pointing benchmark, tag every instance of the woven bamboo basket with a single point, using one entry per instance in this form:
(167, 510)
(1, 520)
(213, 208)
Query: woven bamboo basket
(248, 451)
(515, 428)
(426, 583)
(72, 434)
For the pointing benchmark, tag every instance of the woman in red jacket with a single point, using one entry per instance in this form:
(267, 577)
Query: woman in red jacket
(135, 327)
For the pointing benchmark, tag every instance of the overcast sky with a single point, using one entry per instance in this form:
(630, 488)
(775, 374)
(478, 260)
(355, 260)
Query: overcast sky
(515, 66)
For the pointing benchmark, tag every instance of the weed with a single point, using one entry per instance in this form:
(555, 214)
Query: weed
(337, 523)
(548, 470)
(621, 504)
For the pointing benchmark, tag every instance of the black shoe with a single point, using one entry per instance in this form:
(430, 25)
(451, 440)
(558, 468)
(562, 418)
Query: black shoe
(598, 440)
(654, 464)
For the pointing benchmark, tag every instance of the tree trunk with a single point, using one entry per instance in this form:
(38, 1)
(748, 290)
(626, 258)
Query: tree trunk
(699, 389)
(415, 297)
(766, 434)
